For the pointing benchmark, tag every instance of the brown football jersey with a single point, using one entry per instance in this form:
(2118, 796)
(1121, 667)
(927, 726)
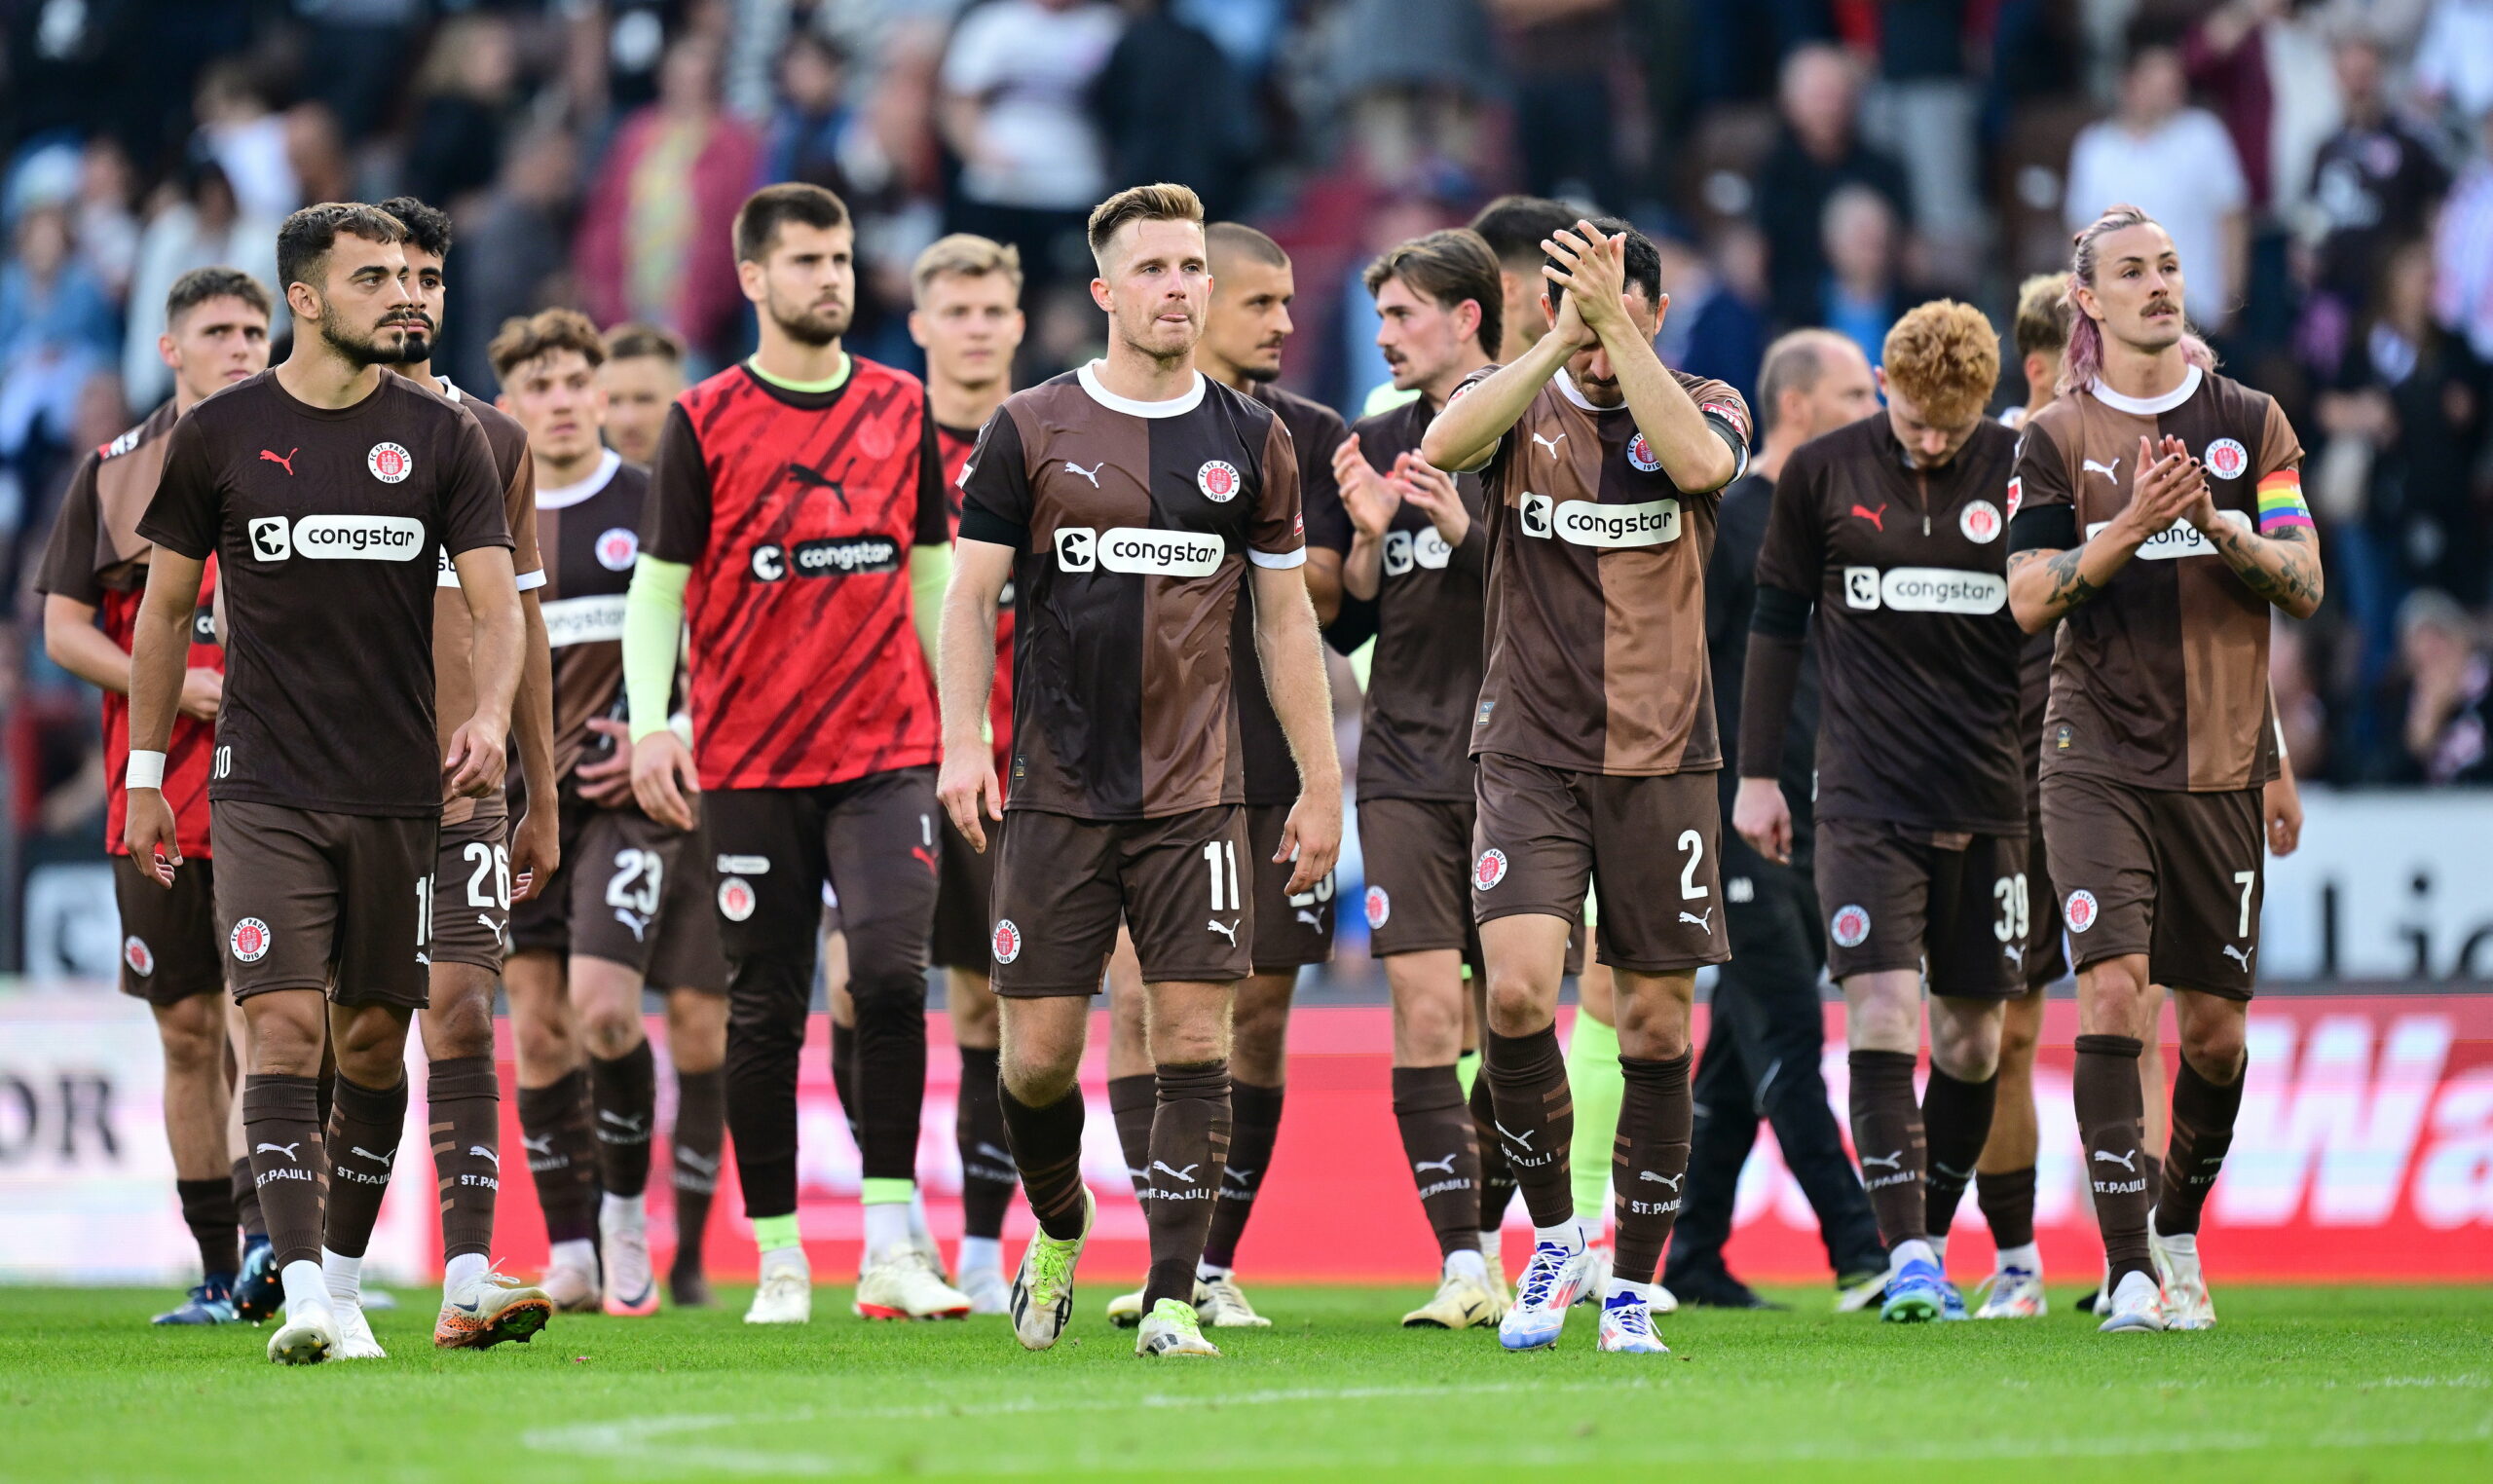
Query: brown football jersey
(1415, 741)
(453, 634)
(1596, 609)
(590, 535)
(1314, 431)
(326, 523)
(1917, 648)
(1134, 524)
(2161, 680)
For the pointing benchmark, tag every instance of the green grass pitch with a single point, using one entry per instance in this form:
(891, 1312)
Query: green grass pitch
(2339, 1383)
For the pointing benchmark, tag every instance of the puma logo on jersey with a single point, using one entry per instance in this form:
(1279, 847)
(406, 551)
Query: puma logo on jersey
(2239, 956)
(1702, 919)
(1670, 1181)
(2111, 470)
(639, 924)
(2128, 1162)
(1551, 444)
(1091, 473)
(1524, 1139)
(1229, 933)
(2013, 953)
(816, 479)
(1442, 1167)
(1877, 517)
(1186, 1174)
(493, 927)
(284, 1149)
(286, 462)
(1895, 1160)
(1308, 917)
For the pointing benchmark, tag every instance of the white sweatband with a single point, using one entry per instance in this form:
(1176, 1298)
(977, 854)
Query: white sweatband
(146, 770)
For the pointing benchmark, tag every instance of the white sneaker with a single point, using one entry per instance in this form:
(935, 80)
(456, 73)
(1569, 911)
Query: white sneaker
(901, 1283)
(1222, 1304)
(1627, 1326)
(2015, 1293)
(2187, 1305)
(1493, 1254)
(1124, 1310)
(570, 1286)
(1173, 1329)
(631, 1288)
(986, 1289)
(2137, 1306)
(786, 1296)
(355, 1340)
(1598, 1259)
(1462, 1302)
(1043, 1287)
(308, 1337)
(1544, 1293)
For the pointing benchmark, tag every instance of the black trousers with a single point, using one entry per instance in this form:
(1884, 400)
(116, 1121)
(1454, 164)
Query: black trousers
(1761, 1065)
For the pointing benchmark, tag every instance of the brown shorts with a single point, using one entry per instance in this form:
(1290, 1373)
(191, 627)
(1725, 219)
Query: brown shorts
(1291, 932)
(1063, 886)
(631, 891)
(169, 945)
(2046, 954)
(471, 889)
(2174, 875)
(1894, 899)
(1545, 836)
(1416, 853)
(871, 839)
(964, 896)
(307, 900)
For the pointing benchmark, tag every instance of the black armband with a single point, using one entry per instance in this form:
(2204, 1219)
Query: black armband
(2043, 527)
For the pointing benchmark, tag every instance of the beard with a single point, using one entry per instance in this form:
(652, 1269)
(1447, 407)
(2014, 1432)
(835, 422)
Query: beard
(420, 334)
(813, 327)
(372, 349)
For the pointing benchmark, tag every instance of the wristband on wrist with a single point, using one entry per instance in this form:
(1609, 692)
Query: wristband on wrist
(146, 770)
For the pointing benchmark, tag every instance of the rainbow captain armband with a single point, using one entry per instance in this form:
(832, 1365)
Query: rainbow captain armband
(2280, 502)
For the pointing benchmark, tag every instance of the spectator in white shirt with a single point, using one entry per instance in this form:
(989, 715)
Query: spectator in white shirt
(1015, 83)
(2176, 164)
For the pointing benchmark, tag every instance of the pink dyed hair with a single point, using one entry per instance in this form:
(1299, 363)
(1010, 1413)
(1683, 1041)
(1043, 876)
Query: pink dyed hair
(2084, 360)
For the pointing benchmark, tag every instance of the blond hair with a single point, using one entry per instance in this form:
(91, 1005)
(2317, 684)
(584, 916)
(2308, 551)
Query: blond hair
(1945, 356)
(1161, 202)
(2041, 327)
(968, 255)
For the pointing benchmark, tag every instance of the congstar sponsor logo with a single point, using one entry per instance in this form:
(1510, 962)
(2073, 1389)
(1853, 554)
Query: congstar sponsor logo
(832, 556)
(1587, 523)
(1137, 551)
(2179, 539)
(583, 620)
(1406, 549)
(339, 538)
(1924, 589)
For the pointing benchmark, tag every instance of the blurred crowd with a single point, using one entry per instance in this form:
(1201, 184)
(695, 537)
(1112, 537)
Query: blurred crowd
(2326, 167)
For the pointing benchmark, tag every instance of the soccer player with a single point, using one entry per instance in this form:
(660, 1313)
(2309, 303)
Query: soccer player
(1420, 554)
(1126, 502)
(795, 519)
(2162, 516)
(968, 319)
(1891, 528)
(1592, 739)
(642, 376)
(1243, 331)
(325, 787)
(630, 905)
(94, 569)
(486, 862)
(1768, 1033)
(1515, 227)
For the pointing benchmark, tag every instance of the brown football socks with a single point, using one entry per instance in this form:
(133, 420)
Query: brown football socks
(1047, 1148)
(1189, 1150)
(2203, 1117)
(700, 1139)
(1254, 1127)
(562, 1156)
(1955, 1121)
(464, 1125)
(2110, 1110)
(1649, 1168)
(1887, 1137)
(988, 1177)
(365, 1127)
(626, 1092)
(1497, 1177)
(246, 1200)
(1444, 1153)
(207, 1209)
(2007, 1200)
(1534, 1118)
(1133, 1103)
(282, 1123)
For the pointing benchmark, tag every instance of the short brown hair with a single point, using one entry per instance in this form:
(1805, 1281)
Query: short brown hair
(1237, 238)
(1161, 202)
(1448, 267)
(631, 340)
(2041, 327)
(1945, 356)
(1794, 363)
(304, 242)
(968, 255)
(766, 210)
(201, 284)
(525, 339)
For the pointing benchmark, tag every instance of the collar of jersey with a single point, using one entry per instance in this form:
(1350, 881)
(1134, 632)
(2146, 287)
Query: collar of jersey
(2148, 406)
(1567, 389)
(830, 382)
(564, 496)
(1176, 406)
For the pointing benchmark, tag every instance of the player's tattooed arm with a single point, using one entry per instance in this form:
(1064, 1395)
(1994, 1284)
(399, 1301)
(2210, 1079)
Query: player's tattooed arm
(2283, 568)
(2046, 582)
(2063, 583)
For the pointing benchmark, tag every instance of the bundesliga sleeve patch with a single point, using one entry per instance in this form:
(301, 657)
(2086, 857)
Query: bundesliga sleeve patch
(2280, 501)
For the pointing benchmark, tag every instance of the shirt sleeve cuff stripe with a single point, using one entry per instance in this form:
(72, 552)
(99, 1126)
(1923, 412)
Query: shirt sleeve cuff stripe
(531, 580)
(1279, 561)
